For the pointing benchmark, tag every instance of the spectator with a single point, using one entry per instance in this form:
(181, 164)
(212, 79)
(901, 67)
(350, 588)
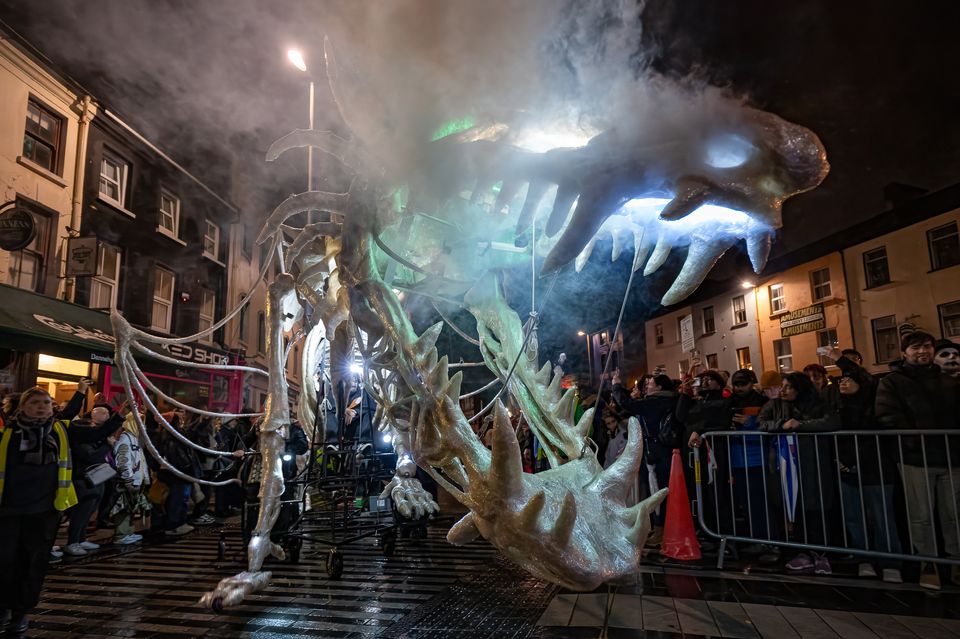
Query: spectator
(89, 448)
(817, 375)
(748, 454)
(801, 409)
(202, 431)
(35, 487)
(616, 438)
(867, 468)
(947, 357)
(711, 411)
(132, 477)
(184, 459)
(10, 403)
(853, 355)
(917, 395)
(770, 383)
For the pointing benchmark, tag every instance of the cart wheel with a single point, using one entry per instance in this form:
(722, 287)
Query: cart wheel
(293, 550)
(334, 564)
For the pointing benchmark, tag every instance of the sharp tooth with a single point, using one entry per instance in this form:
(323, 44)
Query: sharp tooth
(585, 254)
(616, 481)
(508, 191)
(506, 468)
(529, 516)
(617, 245)
(543, 376)
(530, 203)
(299, 203)
(593, 208)
(563, 409)
(701, 257)
(553, 391)
(583, 427)
(641, 247)
(758, 248)
(660, 254)
(640, 523)
(464, 531)
(453, 388)
(566, 519)
(438, 376)
(566, 194)
(430, 359)
(429, 339)
(691, 194)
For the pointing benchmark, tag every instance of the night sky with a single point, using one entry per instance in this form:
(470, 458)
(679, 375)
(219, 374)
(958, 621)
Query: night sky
(208, 83)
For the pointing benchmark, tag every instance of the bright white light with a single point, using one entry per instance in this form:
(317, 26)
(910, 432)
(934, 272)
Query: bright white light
(727, 151)
(356, 369)
(287, 457)
(296, 59)
(708, 216)
(553, 137)
(388, 439)
(746, 284)
(581, 333)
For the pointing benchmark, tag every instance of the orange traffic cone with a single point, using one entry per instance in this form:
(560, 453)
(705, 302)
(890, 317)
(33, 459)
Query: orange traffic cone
(679, 538)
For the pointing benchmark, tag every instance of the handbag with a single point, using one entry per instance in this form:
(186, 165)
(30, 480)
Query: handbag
(98, 474)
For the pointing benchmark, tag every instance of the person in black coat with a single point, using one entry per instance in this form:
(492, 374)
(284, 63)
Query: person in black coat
(89, 447)
(917, 395)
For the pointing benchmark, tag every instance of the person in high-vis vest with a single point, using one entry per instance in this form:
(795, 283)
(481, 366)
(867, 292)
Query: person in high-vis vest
(36, 486)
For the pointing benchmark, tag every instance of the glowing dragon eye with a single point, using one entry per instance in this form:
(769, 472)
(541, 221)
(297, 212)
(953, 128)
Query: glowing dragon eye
(727, 151)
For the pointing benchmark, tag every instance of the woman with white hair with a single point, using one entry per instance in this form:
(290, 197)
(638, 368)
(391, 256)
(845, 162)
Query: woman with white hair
(133, 476)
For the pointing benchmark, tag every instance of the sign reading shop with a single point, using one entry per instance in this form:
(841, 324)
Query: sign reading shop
(803, 320)
(195, 353)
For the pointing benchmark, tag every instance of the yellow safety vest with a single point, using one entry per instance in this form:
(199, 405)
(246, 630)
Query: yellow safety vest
(66, 494)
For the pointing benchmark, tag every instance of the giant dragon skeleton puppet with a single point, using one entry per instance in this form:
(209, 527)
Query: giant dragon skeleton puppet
(705, 187)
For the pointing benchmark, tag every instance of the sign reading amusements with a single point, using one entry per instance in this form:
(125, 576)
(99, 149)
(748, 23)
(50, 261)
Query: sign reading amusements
(803, 320)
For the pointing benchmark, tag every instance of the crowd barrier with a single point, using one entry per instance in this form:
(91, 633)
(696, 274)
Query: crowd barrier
(881, 493)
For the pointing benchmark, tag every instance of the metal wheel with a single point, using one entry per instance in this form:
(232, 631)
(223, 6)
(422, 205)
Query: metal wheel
(334, 564)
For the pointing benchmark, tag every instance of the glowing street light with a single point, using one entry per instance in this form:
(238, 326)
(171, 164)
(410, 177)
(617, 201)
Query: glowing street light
(581, 333)
(296, 59)
(745, 284)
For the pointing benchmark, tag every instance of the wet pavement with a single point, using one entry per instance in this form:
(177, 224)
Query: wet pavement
(431, 589)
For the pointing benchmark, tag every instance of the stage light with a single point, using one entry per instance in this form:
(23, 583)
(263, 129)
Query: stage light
(287, 457)
(388, 439)
(356, 369)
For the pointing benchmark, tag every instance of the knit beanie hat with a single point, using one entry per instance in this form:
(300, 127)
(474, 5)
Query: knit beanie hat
(770, 379)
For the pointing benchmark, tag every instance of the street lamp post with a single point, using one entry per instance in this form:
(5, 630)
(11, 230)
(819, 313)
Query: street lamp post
(583, 333)
(296, 59)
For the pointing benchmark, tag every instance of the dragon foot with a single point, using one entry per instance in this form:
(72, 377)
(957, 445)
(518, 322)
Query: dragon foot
(232, 590)
(413, 502)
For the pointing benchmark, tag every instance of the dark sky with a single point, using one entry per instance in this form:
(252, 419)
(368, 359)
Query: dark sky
(207, 80)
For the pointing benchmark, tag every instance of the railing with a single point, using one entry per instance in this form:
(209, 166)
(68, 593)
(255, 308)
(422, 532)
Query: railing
(847, 491)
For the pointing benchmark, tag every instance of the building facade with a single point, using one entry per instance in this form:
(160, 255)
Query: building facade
(724, 335)
(801, 309)
(908, 275)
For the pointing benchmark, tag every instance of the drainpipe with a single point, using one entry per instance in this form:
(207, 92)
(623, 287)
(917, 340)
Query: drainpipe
(79, 171)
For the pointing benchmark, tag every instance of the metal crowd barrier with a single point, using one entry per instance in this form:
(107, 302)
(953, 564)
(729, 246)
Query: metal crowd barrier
(812, 491)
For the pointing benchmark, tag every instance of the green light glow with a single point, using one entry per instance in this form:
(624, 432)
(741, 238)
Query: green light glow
(453, 126)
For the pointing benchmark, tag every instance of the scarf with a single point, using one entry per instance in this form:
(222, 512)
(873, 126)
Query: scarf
(38, 441)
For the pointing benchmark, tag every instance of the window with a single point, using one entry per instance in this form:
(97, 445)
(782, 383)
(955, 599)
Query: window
(712, 361)
(26, 268)
(739, 310)
(113, 179)
(103, 286)
(211, 240)
(709, 324)
(820, 283)
(886, 338)
(778, 299)
(781, 350)
(949, 319)
(658, 334)
(169, 215)
(163, 284)
(743, 358)
(876, 271)
(43, 137)
(261, 333)
(243, 319)
(944, 246)
(208, 305)
(827, 338)
(246, 242)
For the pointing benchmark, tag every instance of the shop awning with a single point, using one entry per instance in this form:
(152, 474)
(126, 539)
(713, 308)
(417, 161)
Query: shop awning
(30, 322)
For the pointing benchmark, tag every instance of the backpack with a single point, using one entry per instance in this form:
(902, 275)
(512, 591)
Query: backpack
(670, 430)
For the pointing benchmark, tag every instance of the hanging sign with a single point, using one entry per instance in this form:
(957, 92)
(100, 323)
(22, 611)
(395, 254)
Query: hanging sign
(687, 343)
(17, 228)
(82, 256)
(803, 320)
